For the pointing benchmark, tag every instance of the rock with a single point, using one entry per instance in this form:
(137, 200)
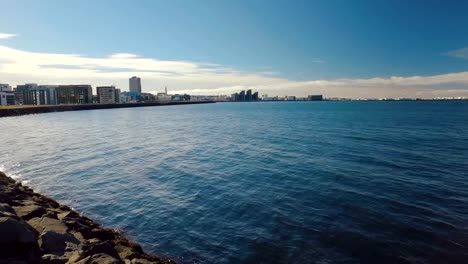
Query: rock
(12, 261)
(30, 211)
(141, 261)
(56, 243)
(17, 238)
(53, 259)
(7, 211)
(127, 243)
(67, 214)
(93, 247)
(126, 252)
(103, 234)
(77, 235)
(100, 259)
(99, 247)
(47, 223)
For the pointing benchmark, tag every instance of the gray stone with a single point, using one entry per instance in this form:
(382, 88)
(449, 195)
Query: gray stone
(30, 211)
(47, 223)
(17, 238)
(15, 230)
(53, 259)
(7, 211)
(56, 243)
(100, 258)
(126, 252)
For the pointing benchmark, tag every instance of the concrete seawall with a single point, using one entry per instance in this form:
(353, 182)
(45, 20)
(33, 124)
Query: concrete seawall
(26, 110)
(37, 229)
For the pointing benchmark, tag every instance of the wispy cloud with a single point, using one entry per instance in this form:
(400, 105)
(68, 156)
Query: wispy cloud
(20, 66)
(6, 36)
(459, 53)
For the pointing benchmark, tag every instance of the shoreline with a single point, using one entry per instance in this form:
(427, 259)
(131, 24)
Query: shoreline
(37, 229)
(28, 110)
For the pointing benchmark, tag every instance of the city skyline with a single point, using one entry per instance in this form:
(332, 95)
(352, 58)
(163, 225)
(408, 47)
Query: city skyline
(401, 50)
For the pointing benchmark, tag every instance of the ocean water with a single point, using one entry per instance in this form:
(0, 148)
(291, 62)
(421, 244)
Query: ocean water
(284, 182)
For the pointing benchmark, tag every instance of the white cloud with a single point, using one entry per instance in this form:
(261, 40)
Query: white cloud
(6, 36)
(459, 53)
(18, 66)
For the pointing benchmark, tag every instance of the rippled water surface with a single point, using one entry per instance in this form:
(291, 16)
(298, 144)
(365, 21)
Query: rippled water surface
(286, 182)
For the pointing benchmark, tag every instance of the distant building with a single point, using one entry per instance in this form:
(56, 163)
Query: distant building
(117, 96)
(255, 96)
(135, 84)
(33, 94)
(7, 98)
(248, 96)
(5, 87)
(242, 96)
(163, 97)
(106, 94)
(147, 97)
(181, 97)
(318, 97)
(74, 94)
(129, 97)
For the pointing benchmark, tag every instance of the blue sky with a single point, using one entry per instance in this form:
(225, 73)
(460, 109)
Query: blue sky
(290, 43)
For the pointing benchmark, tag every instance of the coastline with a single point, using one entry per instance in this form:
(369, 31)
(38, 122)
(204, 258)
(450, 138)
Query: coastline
(37, 229)
(28, 110)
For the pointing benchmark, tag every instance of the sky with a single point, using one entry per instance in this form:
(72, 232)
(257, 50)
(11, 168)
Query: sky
(338, 48)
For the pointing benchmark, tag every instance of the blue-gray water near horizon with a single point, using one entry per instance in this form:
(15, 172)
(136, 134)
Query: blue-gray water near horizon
(285, 182)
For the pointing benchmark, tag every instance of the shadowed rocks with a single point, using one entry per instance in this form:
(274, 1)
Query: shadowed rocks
(36, 229)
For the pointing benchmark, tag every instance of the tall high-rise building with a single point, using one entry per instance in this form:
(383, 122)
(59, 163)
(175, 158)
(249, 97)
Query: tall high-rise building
(242, 96)
(248, 96)
(255, 96)
(106, 94)
(135, 84)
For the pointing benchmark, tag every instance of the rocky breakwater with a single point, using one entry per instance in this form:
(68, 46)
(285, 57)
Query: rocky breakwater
(36, 229)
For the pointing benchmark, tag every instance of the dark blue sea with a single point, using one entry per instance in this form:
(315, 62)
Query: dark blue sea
(271, 182)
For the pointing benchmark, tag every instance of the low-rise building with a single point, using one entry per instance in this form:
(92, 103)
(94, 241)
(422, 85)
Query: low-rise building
(7, 98)
(106, 94)
(5, 87)
(317, 97)
(33, 94)
(74, 94)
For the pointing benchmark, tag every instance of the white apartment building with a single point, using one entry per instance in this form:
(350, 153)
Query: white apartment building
(106, 94)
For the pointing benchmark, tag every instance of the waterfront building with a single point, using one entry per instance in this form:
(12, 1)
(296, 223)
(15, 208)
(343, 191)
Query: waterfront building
(74, 94)
(163, 97)
(106, 94)
(181, 97)
(318, 97)
(129, 97)
(5, 87)
(147, 97)
(242, 96)
(245, 97)
(33, 94)
(117, 96)
(255, 96)
(248, 96)
(135, 84)
(7, 98)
